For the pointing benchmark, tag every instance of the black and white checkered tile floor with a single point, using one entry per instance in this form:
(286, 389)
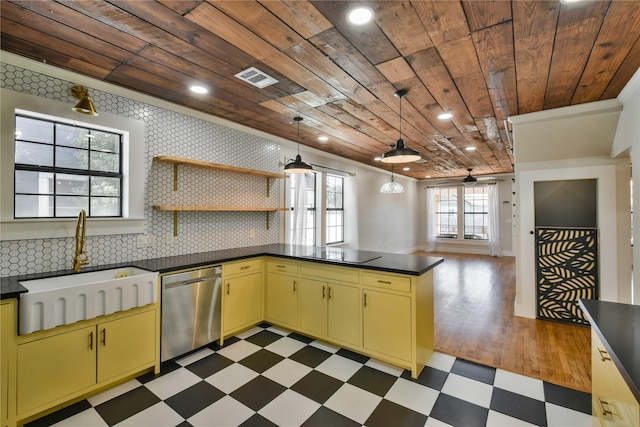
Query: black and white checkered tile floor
(267, 376)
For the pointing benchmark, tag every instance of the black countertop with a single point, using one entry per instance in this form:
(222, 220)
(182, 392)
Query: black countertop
(618, 326)
(414, 265)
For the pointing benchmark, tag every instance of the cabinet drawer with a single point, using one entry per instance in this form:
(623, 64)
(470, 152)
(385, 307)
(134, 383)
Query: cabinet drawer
(343, 274)
(248, 266)
(280, 266)
(387, 281)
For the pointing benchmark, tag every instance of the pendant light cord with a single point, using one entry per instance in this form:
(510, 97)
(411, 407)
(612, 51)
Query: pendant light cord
(400, 119)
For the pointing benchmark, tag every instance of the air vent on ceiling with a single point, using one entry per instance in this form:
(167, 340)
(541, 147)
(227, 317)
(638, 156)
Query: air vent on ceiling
(256, 77)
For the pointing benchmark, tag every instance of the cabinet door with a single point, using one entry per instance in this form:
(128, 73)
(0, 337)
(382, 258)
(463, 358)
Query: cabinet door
(387, 323)
(126, 344)
(54, 367)
(313, 306)
(242, 301)
(282, 299)
(614, 405)
(9, 330)
(344, 313)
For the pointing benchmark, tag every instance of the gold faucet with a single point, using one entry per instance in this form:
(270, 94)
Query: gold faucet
(80, 257)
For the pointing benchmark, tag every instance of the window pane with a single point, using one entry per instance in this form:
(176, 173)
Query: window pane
(106, 162)
(34, 182)
(33, 206)
(105, 206)
(72, 136)
(71, 158)
(70, 206)
(34, 130)
(476, 213)
(101, 186)
(446, 205)
(34, 154)
(105, 142)
(72, 184)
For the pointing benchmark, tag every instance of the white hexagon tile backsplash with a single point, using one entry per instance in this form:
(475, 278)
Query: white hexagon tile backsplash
(166, 133)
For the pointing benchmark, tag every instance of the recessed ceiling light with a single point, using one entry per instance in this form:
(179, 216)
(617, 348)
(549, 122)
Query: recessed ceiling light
(569, 1)
(446, 115)
(377, 159)
(470, 148)
(360, 15)
(323, 138)
(406, 168)
(199, 89)
(428, 176)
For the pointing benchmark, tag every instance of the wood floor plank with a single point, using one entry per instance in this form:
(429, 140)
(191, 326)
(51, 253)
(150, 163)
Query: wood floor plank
(474, 298)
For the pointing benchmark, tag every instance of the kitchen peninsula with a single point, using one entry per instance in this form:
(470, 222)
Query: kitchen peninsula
(375, 303)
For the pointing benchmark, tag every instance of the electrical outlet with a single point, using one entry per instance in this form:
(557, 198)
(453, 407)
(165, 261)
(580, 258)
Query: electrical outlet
(142, 241)
(252, 233)
(169, 238)
(145, 240)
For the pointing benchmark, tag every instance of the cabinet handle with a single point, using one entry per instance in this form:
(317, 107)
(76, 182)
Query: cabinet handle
(91, 341)
(280, 266)
(601, 404)
(329, 292)
(604, 355)
(323, 292)
(227, 289)
(294, 286)
(104, 336)
(384, 282)
(244, 267)
(365, 299)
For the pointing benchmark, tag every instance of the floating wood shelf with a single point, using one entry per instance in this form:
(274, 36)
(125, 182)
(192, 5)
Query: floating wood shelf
(215, 208)
(175, 161)
(176, 209)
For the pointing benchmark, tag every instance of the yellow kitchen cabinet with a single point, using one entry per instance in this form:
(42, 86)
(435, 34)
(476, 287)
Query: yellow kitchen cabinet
(387, 324)
(8, 328)
(241, 302)
(58, 365)
(344, 314)
(55, 367)
(614, 405)
(126, 344)
(330, 310)
(281, 306)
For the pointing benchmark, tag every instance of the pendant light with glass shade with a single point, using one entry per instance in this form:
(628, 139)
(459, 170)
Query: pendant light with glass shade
(400, 153)
(298, 166)
(392, 187)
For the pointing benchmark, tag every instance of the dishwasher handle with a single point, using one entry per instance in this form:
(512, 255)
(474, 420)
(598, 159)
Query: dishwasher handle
(188, 282)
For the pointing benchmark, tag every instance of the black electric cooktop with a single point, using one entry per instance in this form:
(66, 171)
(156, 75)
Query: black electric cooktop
(337, 254)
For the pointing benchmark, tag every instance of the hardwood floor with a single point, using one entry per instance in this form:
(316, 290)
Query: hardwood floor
(474, 297)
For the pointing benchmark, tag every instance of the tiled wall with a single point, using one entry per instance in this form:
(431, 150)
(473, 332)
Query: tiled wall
(166, 133)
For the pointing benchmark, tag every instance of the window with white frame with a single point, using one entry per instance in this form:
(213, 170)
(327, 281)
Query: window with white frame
(335, 209)
(319, 220)
(61, 168)
(462, 213)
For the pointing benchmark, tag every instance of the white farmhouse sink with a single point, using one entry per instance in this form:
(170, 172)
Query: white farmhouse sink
(62, 300)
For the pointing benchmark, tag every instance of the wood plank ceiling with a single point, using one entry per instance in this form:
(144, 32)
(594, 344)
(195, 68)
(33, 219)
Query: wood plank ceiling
(482, 60)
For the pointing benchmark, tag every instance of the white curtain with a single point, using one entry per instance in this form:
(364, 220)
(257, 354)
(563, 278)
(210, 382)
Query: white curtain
(299, 212)
(431, 219)
(494, 221)
(351, 212)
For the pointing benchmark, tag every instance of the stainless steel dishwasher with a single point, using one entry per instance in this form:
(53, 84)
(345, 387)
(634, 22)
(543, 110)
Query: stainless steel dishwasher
(190, 311)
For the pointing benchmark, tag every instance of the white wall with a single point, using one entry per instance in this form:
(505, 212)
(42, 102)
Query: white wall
(386, 222)
(541, 153)
(627, 140)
